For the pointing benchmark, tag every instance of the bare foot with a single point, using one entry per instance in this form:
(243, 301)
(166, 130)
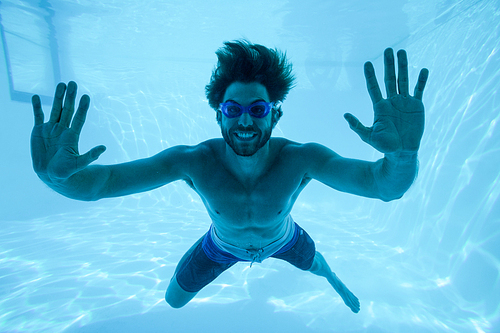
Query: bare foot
(347, 296)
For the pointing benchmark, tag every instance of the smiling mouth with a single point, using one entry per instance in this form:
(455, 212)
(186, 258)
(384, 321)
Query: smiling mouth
(245, 136)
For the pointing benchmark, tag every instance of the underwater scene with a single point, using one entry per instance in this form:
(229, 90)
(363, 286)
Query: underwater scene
(427, 262)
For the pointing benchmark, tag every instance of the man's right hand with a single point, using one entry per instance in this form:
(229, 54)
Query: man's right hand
(54, 144)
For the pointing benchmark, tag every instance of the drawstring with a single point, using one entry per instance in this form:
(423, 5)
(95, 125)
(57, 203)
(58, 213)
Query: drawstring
(256, 256)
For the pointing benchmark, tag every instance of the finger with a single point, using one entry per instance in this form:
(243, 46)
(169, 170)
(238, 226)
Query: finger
(81, 114)
(389, 73)
(55, 113)
(363, 132)
(37, 110)
(371, 83)
(89, 157)
(422, 80)
(403, 73)
(69, 105)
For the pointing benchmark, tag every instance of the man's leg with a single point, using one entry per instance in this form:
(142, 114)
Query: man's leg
(175, 296)
(320, 267)
(304, 256)
(194, 271)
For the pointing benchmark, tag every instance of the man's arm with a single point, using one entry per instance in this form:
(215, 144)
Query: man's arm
(57, 162)
(386, 179)
(105, 181)
(396, 131)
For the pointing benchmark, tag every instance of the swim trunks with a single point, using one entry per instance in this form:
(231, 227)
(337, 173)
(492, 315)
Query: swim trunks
(212, 257)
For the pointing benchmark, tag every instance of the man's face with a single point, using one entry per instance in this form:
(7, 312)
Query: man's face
(246, 134)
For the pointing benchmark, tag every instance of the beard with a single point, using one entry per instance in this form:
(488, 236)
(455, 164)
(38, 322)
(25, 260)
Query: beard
(242, 147)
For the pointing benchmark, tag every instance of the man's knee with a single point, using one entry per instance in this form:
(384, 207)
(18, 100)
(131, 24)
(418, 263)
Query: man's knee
(319, 265)
(175, 303)
(177, 297)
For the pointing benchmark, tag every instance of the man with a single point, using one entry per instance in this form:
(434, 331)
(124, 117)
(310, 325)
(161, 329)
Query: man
(248, 181)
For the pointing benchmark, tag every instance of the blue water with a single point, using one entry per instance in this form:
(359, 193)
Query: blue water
(428, 262)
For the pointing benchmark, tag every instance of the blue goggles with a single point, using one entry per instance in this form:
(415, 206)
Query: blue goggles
(258, 109)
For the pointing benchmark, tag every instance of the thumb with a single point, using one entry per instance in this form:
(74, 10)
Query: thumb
(90, 156)
(363, 132)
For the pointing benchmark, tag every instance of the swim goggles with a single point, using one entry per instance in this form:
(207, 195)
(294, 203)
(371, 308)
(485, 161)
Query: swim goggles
(258, 109)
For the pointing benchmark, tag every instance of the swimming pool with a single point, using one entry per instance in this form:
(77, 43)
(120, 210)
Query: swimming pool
(428, 262)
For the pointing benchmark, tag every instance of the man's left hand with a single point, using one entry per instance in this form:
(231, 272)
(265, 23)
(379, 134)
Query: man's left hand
(399, 119)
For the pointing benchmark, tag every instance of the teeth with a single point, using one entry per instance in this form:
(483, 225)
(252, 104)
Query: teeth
(245, 135)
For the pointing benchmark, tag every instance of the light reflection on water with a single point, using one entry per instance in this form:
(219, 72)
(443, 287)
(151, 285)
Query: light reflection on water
(115, 262)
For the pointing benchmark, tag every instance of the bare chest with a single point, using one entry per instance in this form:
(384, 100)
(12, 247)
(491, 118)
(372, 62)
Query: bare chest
(246, 203)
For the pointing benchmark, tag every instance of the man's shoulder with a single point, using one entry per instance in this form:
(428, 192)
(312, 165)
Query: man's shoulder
(186, 153)
(206, 150)
(305, 153)
(283, 143)
(211, 146)
(290, 147)
(291, 152)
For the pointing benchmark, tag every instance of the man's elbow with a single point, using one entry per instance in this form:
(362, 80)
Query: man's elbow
(91, 199)
(392, 193)
(82, 197)
(389, 191)
(391, 198)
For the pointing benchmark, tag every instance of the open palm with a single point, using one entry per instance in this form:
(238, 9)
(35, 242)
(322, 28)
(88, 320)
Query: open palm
(399, 119)
(54, 144)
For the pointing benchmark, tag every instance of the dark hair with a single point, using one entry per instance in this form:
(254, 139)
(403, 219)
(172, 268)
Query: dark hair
(242, 61)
